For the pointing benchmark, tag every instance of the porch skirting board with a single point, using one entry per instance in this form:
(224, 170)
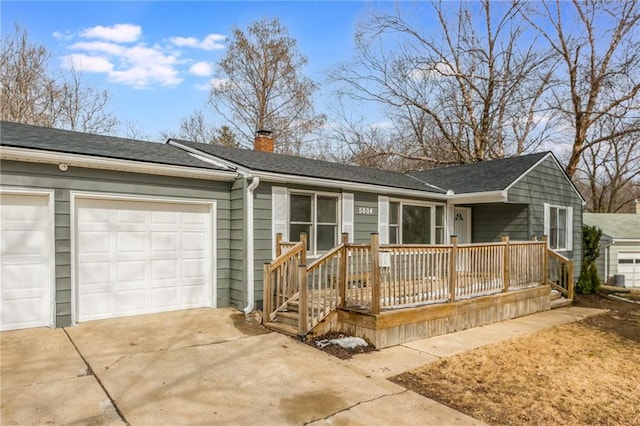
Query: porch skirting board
(393, 328)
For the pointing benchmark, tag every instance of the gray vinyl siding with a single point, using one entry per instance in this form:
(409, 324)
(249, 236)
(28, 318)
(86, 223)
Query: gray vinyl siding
(489, 222)
(547, 183)
(47, 177)
(237, 252)
(262, 237)
(364, 223)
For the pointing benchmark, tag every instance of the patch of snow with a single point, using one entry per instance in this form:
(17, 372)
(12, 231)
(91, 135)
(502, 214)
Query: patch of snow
(345, 342)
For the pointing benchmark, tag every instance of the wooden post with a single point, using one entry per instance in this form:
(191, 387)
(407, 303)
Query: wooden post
(545, 260)
(452, 269)
(303, 254)
(303, 307)
(278, 247)
(268, 294)
(506, 263)
(375, 274)
(342, 273)
(570, 289)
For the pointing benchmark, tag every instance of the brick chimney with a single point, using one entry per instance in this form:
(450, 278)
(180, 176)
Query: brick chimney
(263, 141)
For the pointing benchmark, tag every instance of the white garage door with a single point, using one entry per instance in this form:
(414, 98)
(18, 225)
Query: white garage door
(135, 257)
(25, 261)
(629, 266)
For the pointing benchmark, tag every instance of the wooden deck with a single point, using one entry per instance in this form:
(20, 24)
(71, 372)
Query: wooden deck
(388, 294)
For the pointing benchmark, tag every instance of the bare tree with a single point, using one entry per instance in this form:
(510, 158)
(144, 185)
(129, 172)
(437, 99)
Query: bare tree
(195, 128)
(32, 94)
(260, 86)
(609, 173)
(598, 46)
(466, 89)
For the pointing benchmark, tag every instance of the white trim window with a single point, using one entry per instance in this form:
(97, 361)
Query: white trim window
(315, 214)
(558, 227)
(415, 223)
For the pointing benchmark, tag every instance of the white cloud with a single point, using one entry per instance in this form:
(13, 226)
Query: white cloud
(61, 36)
(121, 33)
(139, 66)
(210, 42)
(82, 62)
(202, 69)
(217, 83)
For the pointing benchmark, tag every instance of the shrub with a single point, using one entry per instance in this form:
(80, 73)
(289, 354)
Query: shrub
(588, 282)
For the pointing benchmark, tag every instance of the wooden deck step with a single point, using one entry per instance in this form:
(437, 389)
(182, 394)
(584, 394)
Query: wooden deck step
(282, 328)
(288, 317)
(555, 295)
(293, 305)
(561, 303)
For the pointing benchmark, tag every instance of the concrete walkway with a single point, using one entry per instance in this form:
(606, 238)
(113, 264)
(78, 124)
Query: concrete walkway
(199, 367)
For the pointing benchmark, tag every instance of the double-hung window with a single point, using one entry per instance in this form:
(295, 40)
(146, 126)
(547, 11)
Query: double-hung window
(317, 216)
(558, 226)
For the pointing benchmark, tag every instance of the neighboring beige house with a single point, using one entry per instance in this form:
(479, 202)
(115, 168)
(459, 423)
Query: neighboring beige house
(619, 246)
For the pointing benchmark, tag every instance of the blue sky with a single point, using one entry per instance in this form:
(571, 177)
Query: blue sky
(156, 58)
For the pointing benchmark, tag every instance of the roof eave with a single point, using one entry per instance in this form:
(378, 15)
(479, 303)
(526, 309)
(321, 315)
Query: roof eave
(353, 186)
(479, 197)
(122, 165)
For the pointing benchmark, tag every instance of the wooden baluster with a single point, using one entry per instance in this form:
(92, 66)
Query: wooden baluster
(375, 274)
(452, 269)
(505, 266)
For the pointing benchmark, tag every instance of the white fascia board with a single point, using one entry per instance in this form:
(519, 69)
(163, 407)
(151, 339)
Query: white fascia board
(352, 186)
(479, 197)
(624, 241)
(87, 161)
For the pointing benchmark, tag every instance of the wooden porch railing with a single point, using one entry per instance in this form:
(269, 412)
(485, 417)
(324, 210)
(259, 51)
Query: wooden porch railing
(370, 277)
(559, 271)
(280, 277)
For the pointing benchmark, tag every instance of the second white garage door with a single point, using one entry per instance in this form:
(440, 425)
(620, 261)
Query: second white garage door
(136, 257)
(629, 266)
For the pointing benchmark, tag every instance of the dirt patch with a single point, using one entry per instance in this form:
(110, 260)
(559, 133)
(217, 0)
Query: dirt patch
(250, 325)
(575, 374)
(337, 350)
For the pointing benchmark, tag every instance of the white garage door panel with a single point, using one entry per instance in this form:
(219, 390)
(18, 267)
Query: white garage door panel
(136, 257)
(25, 256)
(629, 266)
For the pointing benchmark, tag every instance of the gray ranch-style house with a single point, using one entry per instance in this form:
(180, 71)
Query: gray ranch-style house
(98, 227)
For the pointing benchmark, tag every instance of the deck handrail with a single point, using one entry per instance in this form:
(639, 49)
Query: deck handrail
(280, 280)
(559, 273)
(320, 287)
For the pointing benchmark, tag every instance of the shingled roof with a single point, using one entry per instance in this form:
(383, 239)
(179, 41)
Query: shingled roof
(298, 166)
(619, 226)
(56, 140)
(483, 176)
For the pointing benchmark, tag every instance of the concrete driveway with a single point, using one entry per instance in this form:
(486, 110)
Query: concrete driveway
(193, 367)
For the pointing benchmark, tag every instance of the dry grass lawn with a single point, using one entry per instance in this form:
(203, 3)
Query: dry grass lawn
(584, 373)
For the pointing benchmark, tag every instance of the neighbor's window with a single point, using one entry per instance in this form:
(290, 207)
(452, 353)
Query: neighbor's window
(416, 224)
(558, 228)
(317, 216)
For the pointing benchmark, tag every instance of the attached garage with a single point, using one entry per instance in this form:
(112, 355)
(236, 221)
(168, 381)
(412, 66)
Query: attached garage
(629, 266)
(134, 256)
(26, 259)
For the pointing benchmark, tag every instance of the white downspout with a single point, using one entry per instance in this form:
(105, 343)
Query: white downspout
(250, 270)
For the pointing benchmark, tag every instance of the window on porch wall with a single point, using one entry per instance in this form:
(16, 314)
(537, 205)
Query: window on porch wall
(412, 224)
(317, 216)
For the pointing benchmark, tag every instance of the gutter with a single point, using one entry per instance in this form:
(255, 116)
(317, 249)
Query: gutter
(94, 162)
(250, 252)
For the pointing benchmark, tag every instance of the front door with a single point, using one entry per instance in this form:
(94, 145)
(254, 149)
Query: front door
(462, 224)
